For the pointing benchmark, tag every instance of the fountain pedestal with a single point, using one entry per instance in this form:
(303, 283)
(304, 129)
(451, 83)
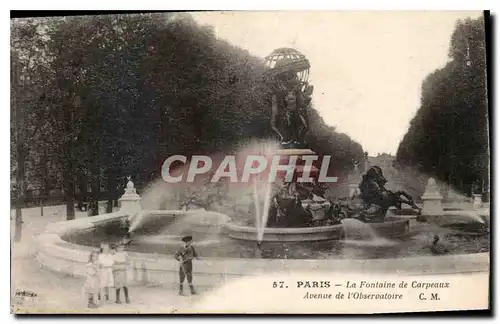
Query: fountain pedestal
(353, 190)
(130, 201)
(478, 201)
(286, 154)
(315, 205)
(354, 179)
(432, 200)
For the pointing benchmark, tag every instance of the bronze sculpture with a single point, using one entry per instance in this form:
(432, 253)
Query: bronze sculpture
(301, 204)
(287, 77)
(375, 198)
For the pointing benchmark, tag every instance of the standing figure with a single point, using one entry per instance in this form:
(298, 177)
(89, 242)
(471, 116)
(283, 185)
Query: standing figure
(91, 286)
(289, 118)
(304, 102)
(275, 116)
(185, 256)
(120, 270)
(105, 262)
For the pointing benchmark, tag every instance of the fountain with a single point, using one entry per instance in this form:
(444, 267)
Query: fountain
(290, 220)
(229, 251)
(293, 209)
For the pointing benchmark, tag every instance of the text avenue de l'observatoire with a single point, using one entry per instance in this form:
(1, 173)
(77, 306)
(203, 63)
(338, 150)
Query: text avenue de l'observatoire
(366, 290)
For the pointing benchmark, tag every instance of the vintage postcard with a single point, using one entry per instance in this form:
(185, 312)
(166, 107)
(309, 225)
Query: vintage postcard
(272, 162)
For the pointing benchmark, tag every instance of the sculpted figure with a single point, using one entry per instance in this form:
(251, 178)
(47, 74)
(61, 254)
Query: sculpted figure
(289, 118)
(372, 186)
(286, 208)
(377, 199)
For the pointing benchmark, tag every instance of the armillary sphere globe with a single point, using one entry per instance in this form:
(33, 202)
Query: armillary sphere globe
(286, 68)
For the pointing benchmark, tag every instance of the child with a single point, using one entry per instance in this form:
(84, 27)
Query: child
(185, 257)
(91, 285)
(105, 261)
(120, 268)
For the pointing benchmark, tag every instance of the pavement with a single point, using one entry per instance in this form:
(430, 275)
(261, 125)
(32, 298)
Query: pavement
(59, 293)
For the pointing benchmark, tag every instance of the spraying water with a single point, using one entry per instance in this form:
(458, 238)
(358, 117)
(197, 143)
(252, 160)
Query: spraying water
(262, 188)
(265, 214)
(158, 195)
(359, 233)
(474, 215)
(205, 227)
(262, 196)
(135, 220)
(257, 204)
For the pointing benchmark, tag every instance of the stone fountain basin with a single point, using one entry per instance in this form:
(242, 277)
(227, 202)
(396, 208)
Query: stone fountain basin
(392, 227)
(147, 268)
(59, 255)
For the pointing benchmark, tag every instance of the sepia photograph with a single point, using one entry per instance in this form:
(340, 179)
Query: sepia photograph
(250, 162)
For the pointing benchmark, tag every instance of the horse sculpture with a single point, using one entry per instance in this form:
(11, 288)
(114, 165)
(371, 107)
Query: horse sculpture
(371, 204)
(374, 201)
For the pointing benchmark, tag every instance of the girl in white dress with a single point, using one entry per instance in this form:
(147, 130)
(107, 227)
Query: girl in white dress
(120, 270)
(105, 261)
(91, 286)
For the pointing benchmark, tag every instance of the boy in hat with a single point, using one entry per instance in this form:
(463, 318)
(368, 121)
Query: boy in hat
(185, 256)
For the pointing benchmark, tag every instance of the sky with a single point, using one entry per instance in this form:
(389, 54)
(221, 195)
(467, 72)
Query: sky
(367, 67)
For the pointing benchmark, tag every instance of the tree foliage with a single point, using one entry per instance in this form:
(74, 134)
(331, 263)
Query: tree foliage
(122, 92)
(448, 137)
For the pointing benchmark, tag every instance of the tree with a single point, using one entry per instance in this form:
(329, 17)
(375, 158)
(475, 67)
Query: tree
(123, 92)
(28, 72)
(448, 137)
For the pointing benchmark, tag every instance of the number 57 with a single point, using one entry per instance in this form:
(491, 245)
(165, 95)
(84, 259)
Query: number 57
(278, 284)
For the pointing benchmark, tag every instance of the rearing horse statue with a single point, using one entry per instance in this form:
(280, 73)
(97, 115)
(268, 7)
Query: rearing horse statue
(375, 198)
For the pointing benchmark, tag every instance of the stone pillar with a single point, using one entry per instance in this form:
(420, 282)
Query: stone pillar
(285, 155)
(354, 179)
(432, 200)
(353, 190)
(477, 203)
(130, 201)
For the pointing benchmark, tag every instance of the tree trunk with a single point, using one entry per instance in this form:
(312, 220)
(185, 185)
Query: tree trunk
(44, 192)
(96, 189)
(82, 185)
(20, 175)
(96, 181)
(46, 189)
(68, 171)
(69, 191)
(20, 154)
(69, 165)
(68, 180)
(112, 191)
